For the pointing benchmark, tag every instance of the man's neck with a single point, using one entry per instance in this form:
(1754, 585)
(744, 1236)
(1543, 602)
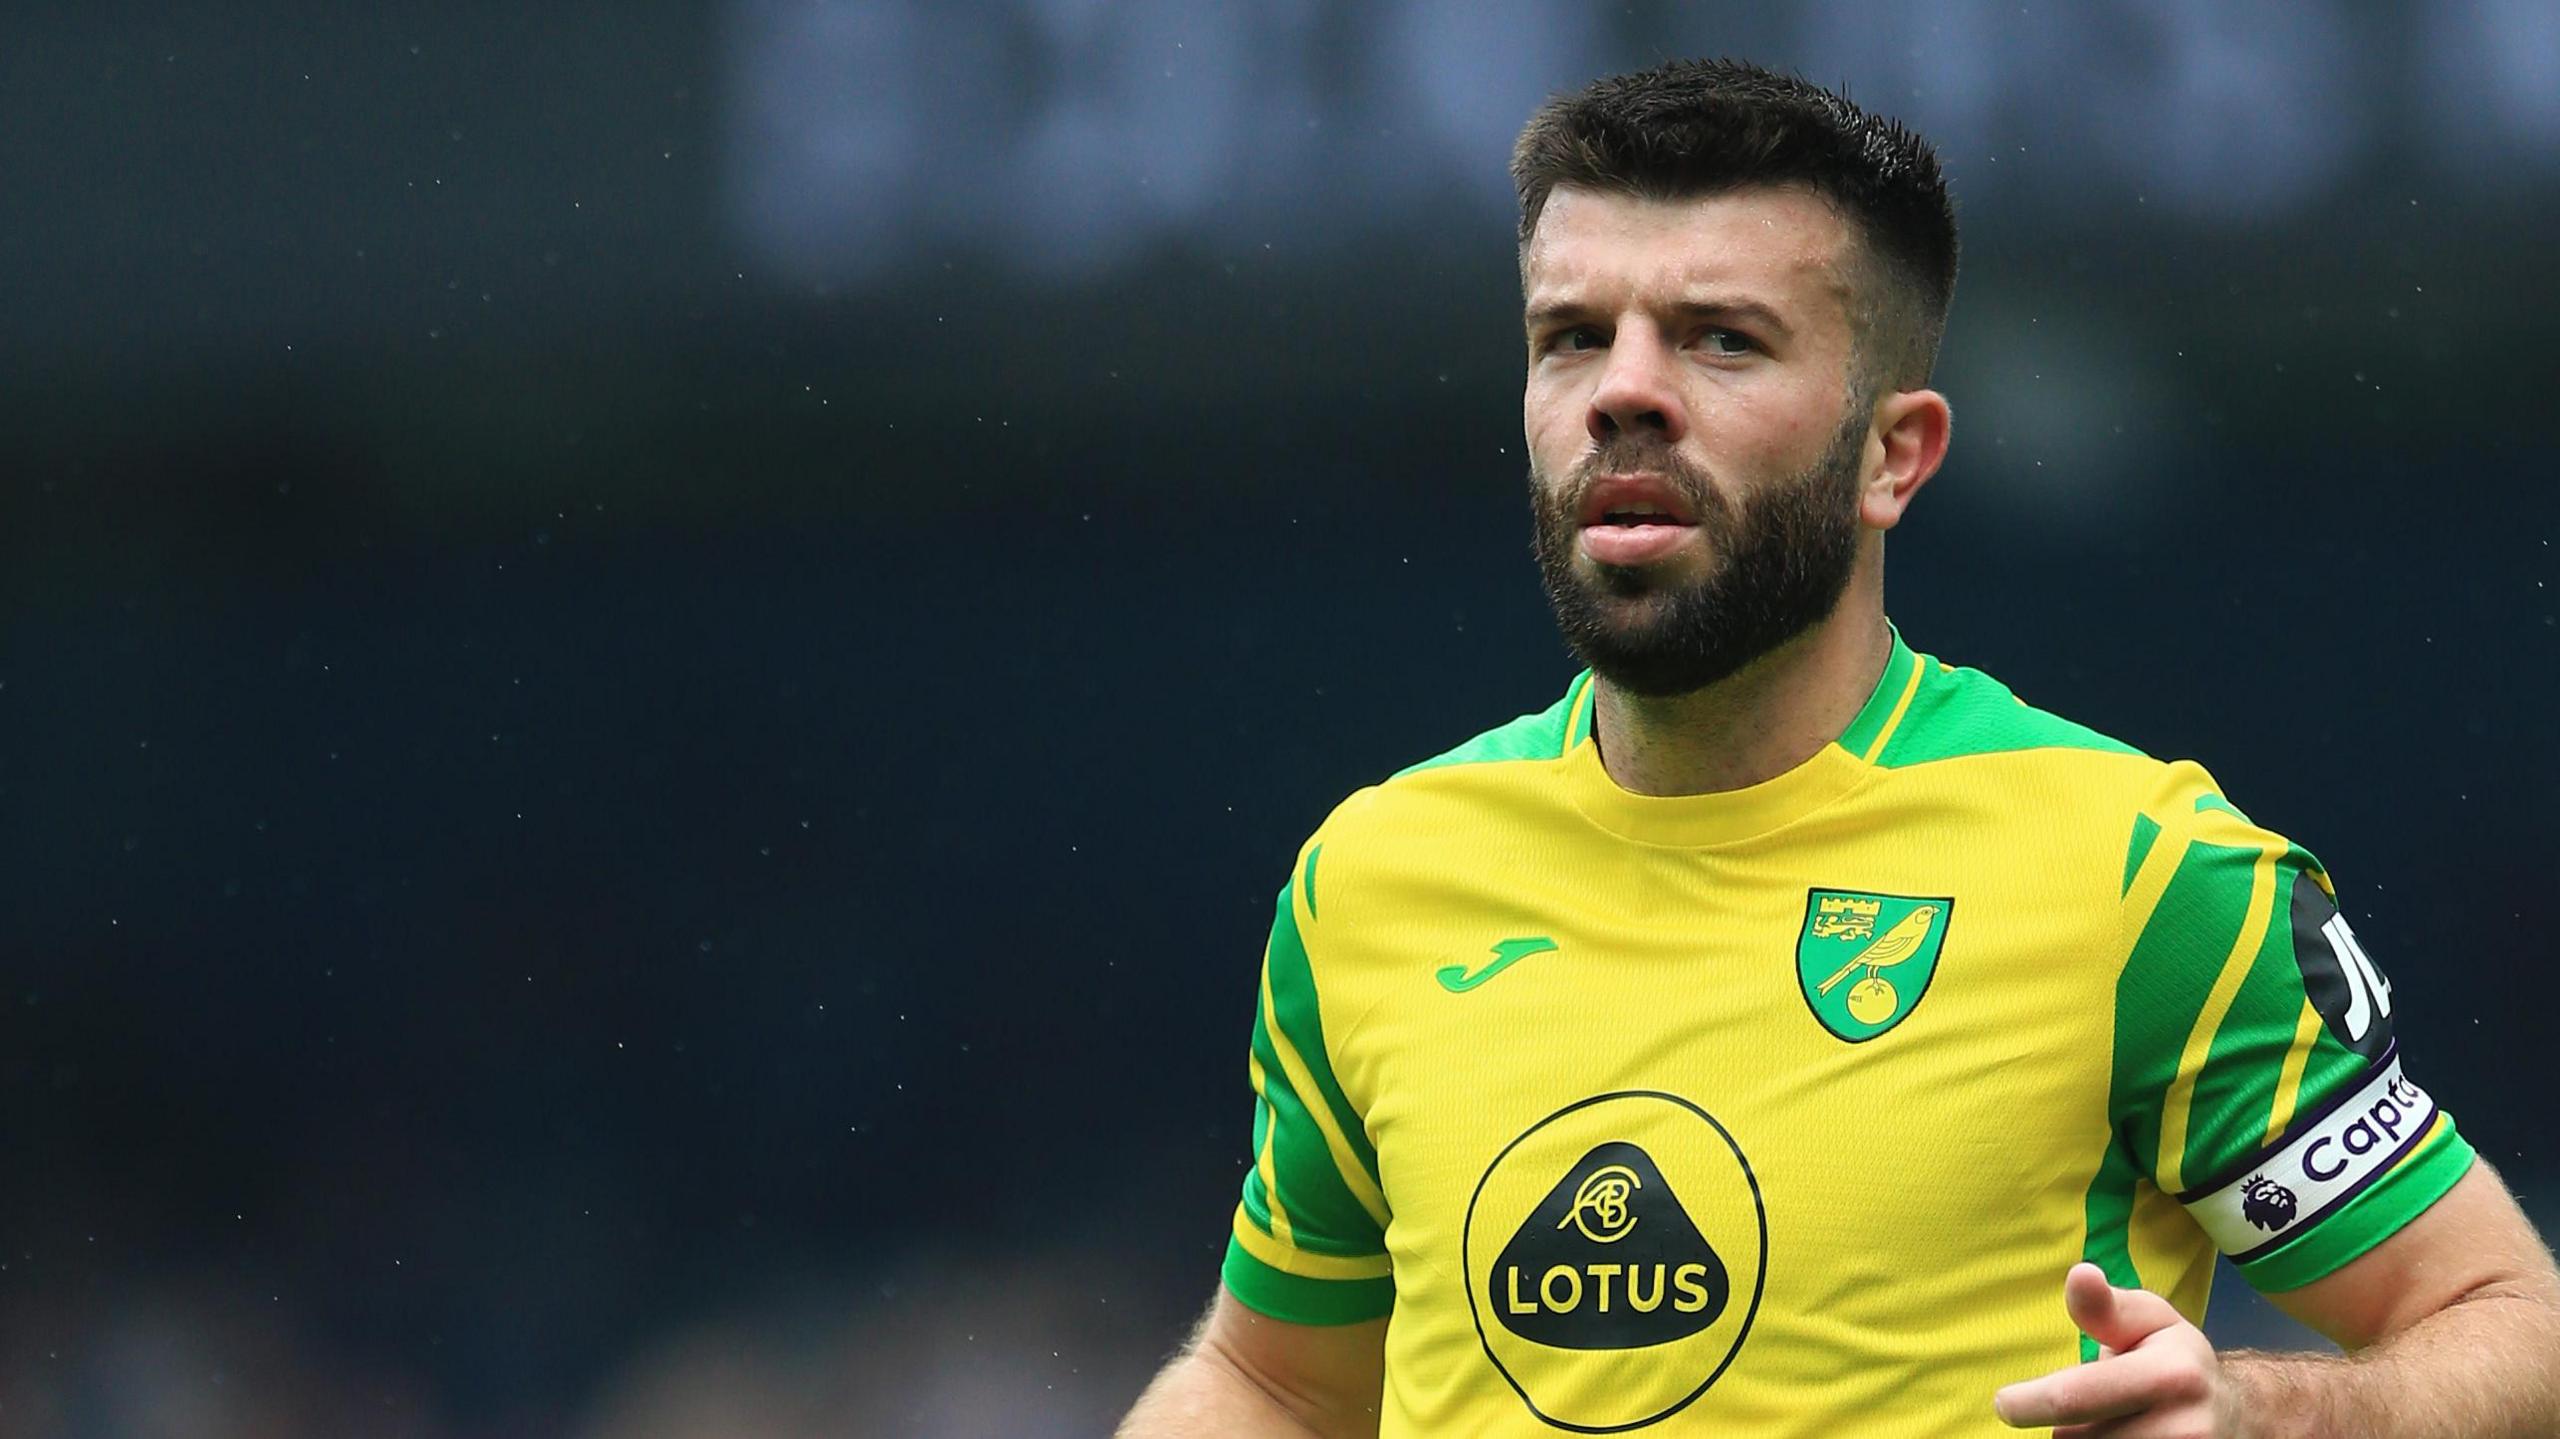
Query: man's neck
(1765, 719)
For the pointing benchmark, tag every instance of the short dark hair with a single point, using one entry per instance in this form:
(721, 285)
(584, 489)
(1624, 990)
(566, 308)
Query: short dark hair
(1686, 129)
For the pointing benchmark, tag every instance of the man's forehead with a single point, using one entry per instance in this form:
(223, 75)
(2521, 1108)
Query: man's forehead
(1781, 237)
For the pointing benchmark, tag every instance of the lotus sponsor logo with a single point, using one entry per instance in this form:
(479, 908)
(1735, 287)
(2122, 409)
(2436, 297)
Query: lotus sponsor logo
(1615, 1253)
(1657, 1278)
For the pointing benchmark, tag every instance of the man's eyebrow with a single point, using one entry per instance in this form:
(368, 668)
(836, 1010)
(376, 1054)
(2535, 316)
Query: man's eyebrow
(1546, 312)
(1563, 308)
(1749, 312)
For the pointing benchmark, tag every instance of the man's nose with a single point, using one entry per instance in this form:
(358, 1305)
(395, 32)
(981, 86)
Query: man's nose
(1639, 391)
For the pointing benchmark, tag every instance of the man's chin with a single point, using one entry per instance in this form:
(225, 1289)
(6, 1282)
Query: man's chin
(1629, 595)
(1648, 674)
(1634, 653)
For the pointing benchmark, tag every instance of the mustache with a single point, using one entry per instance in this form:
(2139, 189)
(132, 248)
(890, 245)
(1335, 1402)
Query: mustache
(1623, 453)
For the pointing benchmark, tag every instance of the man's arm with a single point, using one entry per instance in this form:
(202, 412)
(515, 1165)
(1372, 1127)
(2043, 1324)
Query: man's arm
(2452, 1327)
(1249, 1375)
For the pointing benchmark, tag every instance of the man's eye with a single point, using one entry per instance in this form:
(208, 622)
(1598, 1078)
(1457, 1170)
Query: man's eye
(1726, 342)
(1580, 337)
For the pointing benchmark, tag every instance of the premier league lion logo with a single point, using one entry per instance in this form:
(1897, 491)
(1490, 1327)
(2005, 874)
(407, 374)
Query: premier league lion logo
(2266, 1204)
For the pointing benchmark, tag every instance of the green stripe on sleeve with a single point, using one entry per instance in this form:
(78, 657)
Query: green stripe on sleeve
(2333, 1069)
(2239, 1108)
(2107, 1223)
(1297, 1299)
(1293, 994)
(2145, 831)
(1256, 1201)
(2164, 984)
(1324, 1217)
(1273, 1090)
(2236, 1090)
(2158, 992)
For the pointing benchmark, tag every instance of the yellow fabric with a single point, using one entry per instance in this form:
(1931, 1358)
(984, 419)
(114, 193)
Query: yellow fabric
(1923, 1190)
(1636, 1172)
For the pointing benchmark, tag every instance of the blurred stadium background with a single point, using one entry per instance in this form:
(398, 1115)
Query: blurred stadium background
(656, 659)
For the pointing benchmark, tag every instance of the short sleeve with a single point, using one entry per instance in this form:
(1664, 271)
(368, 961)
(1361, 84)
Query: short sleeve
(2256, 1077)
(1309, 1242)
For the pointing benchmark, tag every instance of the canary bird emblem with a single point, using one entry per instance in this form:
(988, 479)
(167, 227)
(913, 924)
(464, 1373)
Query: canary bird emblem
(1850, 939)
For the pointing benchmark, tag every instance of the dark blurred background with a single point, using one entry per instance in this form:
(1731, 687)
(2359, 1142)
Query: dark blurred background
(656, 660)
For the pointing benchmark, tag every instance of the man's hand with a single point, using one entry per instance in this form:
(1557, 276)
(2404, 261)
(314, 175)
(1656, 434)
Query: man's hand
(2156, 1374)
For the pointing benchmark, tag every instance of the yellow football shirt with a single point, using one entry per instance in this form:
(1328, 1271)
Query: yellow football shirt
(1783, 1111)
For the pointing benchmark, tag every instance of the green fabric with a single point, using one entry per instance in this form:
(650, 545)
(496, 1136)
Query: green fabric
(2333, 1069)
(2348, 1232)
(2236, 1090)
(1531, 736)
(2206, 802)
(1293, 993)
(1307, 880)
(2157, 996)
(2164, 983)
(1324, 1215)
(1296, 1299)
(1878, 709)
(1253, 1197)
(1960, 712)
(2174, 965)
(1954, 713)
(2107, 1220)
(2145, 831)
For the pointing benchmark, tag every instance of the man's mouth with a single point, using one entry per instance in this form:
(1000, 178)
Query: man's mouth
(1641, 515)
(1633, 519)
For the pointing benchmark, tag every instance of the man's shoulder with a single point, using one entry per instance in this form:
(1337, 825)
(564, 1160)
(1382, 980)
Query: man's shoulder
(1545, 734)
(1480, 765)
(1955, 713)
(1974, 726)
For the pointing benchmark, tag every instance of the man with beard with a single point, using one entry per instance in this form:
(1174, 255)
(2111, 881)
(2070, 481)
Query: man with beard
(1786, 1032)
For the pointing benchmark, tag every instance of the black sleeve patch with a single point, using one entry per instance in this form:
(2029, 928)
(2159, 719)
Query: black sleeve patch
(2353, 998)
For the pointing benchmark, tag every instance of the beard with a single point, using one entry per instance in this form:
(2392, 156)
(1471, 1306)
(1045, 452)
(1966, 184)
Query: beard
(1779, 560)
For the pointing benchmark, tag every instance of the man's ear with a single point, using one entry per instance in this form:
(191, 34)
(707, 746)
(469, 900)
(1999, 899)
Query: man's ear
(1906, 442)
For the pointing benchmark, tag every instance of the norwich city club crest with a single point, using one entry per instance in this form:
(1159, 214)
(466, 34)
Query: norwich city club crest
(1864, 960)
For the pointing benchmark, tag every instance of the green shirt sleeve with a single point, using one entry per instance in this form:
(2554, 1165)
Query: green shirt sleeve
(2256, 1079)
(1309, 1240)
